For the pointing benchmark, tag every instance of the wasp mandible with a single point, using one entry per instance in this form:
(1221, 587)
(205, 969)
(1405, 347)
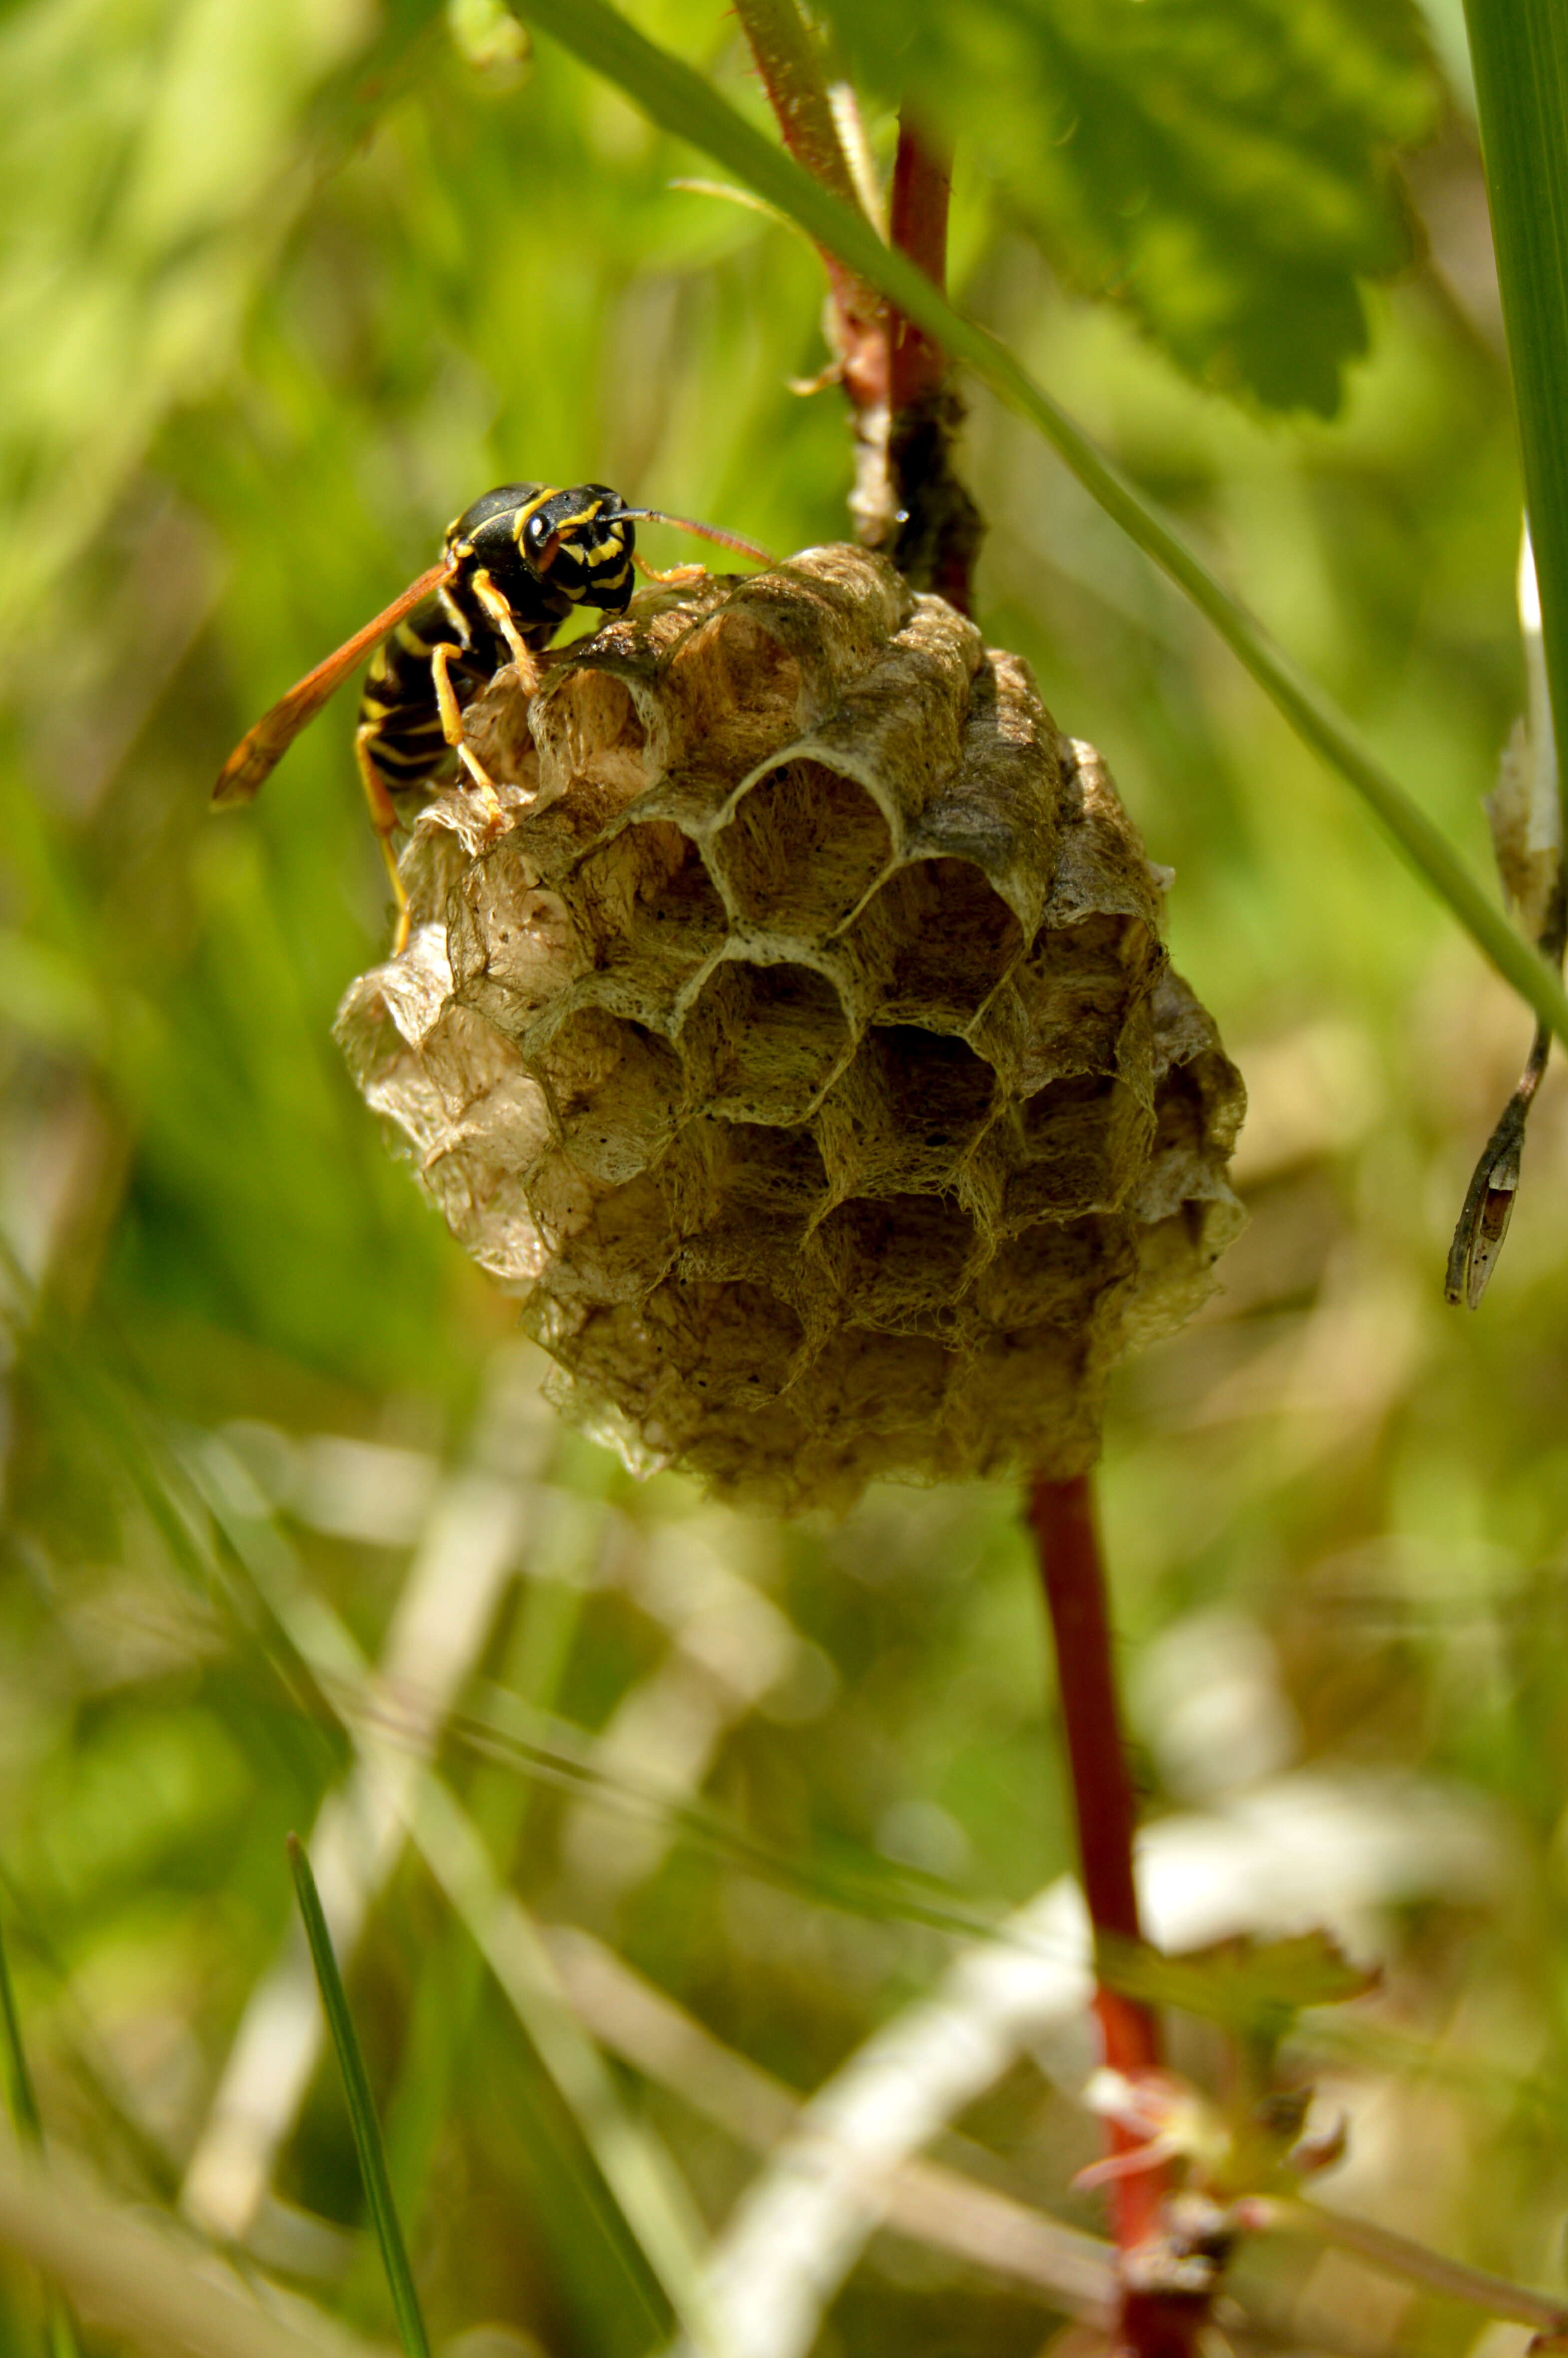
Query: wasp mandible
(512, 567)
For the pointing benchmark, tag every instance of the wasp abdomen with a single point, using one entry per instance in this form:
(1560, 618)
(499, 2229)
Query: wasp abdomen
(398, 703)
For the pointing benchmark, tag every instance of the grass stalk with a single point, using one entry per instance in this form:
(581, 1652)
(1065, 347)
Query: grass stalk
(684, 104)
(1519, 50)
(362, 2108)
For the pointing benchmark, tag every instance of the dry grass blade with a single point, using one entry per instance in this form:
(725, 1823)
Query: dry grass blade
(138, 2280)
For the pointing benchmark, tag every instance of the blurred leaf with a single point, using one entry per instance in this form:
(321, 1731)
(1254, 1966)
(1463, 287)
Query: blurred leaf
(1221, 168)
(1247, 1984)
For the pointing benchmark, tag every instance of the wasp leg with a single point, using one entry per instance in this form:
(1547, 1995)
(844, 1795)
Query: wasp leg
(676, 577)
(384, 818)
(452, 730)
(505, 621)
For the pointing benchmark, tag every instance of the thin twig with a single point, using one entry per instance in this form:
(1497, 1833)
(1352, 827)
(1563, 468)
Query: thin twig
(908, 498)
(938, 528)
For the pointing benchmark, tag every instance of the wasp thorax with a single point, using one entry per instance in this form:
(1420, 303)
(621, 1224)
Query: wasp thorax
(802, 1047)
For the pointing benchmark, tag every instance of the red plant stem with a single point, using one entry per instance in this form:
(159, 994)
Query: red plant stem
(917, 225)
(1062, 1518)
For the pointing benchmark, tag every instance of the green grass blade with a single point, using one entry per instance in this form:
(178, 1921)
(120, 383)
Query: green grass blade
(361, 2107)
(19, 2079)
(1519, 50)
(60, 2324)
(681, 102)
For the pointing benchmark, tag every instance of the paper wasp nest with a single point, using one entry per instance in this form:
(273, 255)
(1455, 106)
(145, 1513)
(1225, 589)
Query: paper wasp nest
(803, 1050)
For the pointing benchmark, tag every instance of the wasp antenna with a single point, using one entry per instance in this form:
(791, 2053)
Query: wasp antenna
(703, 532)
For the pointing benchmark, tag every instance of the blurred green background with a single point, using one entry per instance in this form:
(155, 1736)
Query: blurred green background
(286, 286)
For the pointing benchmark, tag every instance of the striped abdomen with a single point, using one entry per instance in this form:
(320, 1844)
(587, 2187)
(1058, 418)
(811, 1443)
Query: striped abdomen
(399, 701)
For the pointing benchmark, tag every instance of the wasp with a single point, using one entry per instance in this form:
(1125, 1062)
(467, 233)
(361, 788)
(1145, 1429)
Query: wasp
(512, 567)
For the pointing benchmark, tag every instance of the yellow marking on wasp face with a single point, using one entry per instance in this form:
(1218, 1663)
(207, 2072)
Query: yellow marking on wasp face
(601, 552)
(532, 509)
(594, 509)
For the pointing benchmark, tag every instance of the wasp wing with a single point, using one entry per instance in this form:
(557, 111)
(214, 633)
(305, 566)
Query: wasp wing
(249, 765)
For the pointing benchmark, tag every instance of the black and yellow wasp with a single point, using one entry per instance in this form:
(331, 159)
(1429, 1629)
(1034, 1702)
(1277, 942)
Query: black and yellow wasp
(512, 567)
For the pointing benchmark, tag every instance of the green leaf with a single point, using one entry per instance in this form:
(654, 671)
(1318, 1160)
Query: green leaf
(1222, 168)
(1244, 1983)
(361, 2107)
(682, 103)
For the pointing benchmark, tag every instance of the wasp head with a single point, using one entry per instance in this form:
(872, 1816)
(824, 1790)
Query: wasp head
(555, 549)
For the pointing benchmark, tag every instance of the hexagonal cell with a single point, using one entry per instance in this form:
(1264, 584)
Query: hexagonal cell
(1002, 807)
(939, 1093)
(734, 676)
(784, 645)
(1081, 1144)
(1101, 863)
(898, 728)
(940, 939)
(861, 1384)
(760, 1043)
(513, 944)
(736, 1344)
(1077, 987)
(740, 1198)
(592, 740)
(906, 1112)
(752, 1457)
(616, 1247)
(803, 846)
(1031, 1396)
(614, 1088)
(652, 912)
(899, 1262)
(1055, 1273)
(750, 1173)
(1200, 1097)
(487, 1208)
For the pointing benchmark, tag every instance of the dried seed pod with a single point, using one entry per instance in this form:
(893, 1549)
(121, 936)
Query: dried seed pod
(802, 1047)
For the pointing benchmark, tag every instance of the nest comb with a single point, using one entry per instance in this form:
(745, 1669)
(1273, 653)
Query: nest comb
(801, 1046)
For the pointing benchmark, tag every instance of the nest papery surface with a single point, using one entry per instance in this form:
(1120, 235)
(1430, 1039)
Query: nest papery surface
(802, 1047)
